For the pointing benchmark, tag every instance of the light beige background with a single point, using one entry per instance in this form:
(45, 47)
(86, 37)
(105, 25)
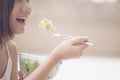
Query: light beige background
(100, 22)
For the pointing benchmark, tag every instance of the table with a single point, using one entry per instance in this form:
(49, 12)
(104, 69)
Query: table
(89, 68)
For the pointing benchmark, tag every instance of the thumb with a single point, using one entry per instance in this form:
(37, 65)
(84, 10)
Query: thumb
(79, 40)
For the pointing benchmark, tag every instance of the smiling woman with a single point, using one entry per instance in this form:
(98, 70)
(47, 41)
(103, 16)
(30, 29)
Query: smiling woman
(9, 26)
(20, 13)
(13, 16)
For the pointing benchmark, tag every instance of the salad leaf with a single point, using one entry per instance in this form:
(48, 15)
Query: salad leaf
(46, 24)
(28, 63)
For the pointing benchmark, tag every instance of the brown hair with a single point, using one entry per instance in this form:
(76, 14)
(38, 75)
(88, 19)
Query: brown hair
(6, 7)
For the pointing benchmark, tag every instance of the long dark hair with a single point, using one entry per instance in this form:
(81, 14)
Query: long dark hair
(6, 7)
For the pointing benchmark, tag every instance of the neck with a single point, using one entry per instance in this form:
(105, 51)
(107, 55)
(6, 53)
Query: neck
(2, 45)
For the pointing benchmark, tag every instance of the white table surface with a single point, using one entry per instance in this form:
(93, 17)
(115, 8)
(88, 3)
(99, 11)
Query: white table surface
(89, 68)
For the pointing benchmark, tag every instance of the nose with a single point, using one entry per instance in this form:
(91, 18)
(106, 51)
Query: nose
(26, 8)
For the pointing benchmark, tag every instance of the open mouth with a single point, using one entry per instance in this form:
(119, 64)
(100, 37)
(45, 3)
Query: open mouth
(21, 20)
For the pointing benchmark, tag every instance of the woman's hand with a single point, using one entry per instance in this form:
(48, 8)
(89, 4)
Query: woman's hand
(71, 48)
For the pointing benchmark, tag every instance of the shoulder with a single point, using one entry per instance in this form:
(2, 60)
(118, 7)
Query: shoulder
(12, 45)
(12, 49)
(14, 56)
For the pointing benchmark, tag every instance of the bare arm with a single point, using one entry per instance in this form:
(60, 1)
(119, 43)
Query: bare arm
(68, 49)
(14, 57)
(41, 72)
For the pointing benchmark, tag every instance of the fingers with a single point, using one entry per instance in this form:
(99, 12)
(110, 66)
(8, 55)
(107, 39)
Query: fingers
(79, 40)
(83, 46)
(79, 50)
(80, 47)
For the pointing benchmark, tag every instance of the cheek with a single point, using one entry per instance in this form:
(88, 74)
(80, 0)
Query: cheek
(15, 28)
(11, 22)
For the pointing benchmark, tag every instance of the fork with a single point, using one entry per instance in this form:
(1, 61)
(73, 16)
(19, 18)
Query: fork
(70, 36)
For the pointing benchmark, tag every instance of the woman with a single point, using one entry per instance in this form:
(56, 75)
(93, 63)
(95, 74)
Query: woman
(13, 16)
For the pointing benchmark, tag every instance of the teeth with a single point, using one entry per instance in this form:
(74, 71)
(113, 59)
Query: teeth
(23, 18)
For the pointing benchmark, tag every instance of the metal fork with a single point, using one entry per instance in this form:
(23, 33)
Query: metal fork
(69, 36)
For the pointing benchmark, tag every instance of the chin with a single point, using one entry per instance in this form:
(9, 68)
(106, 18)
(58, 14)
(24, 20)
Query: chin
(19, 32)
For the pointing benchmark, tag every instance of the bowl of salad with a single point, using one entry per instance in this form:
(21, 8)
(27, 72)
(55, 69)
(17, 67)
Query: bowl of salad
(28, 63)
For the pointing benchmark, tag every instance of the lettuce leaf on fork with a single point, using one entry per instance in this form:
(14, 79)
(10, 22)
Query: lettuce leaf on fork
(46, 24)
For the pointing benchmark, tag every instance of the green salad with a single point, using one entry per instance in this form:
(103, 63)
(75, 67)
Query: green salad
(46, 24)
(28, 63)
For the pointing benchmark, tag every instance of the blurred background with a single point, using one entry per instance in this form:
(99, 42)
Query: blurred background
(97, 19)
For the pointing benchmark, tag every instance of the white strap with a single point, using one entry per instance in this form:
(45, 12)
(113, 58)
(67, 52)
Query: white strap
(7, 49)
(7, 73)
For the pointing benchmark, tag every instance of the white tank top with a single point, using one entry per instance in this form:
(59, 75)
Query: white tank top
(7, 73)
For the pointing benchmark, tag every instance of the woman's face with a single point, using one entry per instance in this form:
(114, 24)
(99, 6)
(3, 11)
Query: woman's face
(19, 15)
